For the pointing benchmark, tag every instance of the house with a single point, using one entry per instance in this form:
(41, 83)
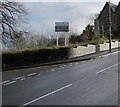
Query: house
(102, 22)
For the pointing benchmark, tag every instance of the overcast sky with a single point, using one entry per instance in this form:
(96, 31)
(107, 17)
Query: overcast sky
(43, 15)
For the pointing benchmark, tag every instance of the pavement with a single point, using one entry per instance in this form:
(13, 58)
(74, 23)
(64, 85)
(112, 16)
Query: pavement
(87, 82)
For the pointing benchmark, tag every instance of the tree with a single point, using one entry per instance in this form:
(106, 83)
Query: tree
(74, 38)
(20, 42)
(42, 42)
(92, 18)
(33, 43)
(11, 15)
(88, 33)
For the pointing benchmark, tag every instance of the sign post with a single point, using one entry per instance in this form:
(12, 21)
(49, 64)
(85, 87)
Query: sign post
(65, 41)
(61, 27)
(57, 39)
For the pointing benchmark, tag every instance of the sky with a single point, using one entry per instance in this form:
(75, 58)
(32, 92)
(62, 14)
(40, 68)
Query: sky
(43, 15)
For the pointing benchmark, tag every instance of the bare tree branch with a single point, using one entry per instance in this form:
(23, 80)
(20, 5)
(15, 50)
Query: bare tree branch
(11, 15)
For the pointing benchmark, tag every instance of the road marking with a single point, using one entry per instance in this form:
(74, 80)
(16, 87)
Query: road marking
(59, 68)
(108, 54)
(10, 83)
(45, 66)
(19, 78)
(46, 95)
(105, 69)
(52, 70)
(39, 74)
(76, 63)
(31, 74)
(4, 82)
(22, 79)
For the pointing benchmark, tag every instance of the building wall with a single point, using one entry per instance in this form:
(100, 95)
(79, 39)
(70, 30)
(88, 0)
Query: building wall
(103, 20)
(118, 19)
(114, 23)
(97, 30)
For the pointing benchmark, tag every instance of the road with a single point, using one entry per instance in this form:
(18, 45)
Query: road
(93, 82)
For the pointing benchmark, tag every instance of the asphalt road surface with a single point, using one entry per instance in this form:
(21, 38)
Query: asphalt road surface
(93, 82)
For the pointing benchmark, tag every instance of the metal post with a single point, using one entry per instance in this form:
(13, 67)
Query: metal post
(109, 26)
(65, 40)
(57, 39)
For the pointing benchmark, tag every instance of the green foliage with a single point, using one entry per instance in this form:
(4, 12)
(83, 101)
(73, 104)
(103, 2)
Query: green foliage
(87, 35)
(88, 32)
(74, 38)
(99, 39)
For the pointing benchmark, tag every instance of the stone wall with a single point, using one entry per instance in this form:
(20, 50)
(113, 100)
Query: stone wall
(89, 49)
(82, 50)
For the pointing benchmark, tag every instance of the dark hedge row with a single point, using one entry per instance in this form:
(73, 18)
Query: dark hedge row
(33, 57)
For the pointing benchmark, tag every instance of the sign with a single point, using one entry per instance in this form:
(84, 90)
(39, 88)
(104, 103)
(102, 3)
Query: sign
(61, 26)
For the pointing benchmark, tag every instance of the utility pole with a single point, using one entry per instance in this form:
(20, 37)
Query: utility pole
(110, 27)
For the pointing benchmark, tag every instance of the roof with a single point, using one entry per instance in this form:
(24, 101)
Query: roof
(117, 7)
(113, 7)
